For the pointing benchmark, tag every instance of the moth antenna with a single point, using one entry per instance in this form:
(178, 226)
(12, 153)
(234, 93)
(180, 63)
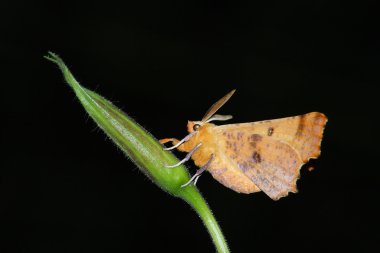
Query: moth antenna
(215, 107)
(199, 173)
(187, 137)
(187, 158)
(218, 117)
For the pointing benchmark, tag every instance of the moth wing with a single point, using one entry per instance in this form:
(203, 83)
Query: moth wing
(273, 166)
(303, 133)
(226, 172)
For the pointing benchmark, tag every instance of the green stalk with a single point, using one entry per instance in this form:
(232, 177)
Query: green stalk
(145, 151)
(200, 206)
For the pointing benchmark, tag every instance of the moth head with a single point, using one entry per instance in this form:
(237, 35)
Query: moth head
(193, 126)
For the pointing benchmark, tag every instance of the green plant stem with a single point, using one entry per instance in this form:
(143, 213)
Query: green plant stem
(201, 207)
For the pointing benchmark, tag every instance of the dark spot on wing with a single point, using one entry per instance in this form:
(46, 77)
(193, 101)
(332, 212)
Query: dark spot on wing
(254, 139)
(256, 157)
(244, 166)
(270, 131)
(235, 147)
(301, 125)
(240, 135)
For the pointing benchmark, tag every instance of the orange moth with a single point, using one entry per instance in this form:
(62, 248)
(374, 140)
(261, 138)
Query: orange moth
(250, 157)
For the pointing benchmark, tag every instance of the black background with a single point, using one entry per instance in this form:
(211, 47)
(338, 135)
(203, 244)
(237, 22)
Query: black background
(66, 188)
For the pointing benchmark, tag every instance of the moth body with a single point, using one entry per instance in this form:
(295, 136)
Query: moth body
(222, 168)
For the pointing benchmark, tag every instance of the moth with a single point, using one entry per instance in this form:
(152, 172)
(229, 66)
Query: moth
(251, 157)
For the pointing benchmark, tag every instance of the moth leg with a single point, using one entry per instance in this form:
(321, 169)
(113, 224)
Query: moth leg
(187, 137)
(187, 158)
(199, 172)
